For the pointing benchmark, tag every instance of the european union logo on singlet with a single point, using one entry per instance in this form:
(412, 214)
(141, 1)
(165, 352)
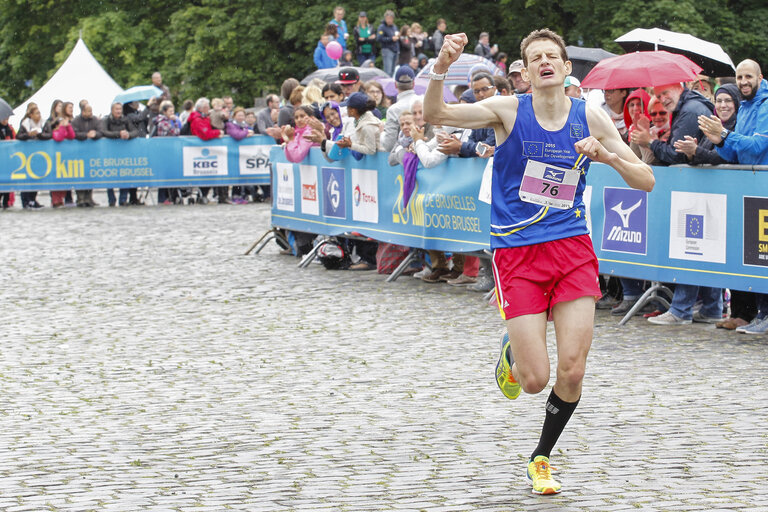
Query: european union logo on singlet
(533, 149)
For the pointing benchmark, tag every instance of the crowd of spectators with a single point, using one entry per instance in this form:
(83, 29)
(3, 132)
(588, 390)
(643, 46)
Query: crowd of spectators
(206, 119)
(408, 44)
(704, 122)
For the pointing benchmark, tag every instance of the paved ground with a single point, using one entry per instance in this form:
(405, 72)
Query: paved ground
(148, 365)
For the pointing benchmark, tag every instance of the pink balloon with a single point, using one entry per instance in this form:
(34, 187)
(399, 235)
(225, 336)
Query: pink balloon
(334, 50)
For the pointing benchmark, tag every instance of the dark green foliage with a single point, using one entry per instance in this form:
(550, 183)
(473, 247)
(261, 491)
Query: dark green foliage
(247, 48)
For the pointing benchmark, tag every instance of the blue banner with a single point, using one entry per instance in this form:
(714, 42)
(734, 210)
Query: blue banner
(702, 226)
(366, 197)
(155, 162)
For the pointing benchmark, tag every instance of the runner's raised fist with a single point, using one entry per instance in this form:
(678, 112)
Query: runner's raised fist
(453, 45)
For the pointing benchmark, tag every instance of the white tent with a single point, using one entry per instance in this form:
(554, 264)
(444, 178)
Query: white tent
(80, 77)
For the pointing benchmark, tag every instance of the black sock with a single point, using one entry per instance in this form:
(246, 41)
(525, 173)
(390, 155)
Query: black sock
(558, 414)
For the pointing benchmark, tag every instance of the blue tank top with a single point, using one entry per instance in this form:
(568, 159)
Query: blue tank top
(515, 222)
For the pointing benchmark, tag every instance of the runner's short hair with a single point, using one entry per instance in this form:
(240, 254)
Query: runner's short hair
(544, 33)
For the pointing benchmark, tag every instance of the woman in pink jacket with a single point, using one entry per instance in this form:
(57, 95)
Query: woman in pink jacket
(297, 147)
(62, 130)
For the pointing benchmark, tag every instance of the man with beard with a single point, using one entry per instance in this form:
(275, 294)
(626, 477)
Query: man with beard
(746, 144)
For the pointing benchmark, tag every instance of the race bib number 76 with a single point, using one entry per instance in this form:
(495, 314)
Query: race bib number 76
(549, 185)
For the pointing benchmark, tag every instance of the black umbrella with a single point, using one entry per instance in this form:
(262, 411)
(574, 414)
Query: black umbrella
(584, 59)
(5, 109)
(332, 74)
(710, 56)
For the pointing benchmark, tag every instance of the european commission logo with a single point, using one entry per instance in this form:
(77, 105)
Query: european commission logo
(552, 174)
(694, 226)
(533, 148)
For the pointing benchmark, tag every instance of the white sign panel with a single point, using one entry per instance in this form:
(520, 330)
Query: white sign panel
(310, 204)
(365, 195)
(205, 160)
(285, 187)
(254, 160)
(697, 226)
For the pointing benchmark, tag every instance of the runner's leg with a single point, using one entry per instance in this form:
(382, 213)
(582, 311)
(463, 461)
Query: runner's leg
(527, 337)
(573, 329)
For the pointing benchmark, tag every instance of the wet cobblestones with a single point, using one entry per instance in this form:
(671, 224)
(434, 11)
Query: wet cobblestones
(148, 365)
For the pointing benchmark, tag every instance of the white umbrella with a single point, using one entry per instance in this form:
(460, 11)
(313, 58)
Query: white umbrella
(710, 56)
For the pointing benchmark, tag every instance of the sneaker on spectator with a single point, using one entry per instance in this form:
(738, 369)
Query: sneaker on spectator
(462, 280)
(668, 319)
(422, 273)
(699, 318)
(751, 324)
(623, 307)
(607, 302)
(756, 327)
(435, 276)
(483, 284)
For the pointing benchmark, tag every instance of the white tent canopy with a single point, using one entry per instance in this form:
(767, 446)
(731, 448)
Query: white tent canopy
(79, 77)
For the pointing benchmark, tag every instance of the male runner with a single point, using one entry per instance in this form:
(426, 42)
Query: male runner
(543, 260)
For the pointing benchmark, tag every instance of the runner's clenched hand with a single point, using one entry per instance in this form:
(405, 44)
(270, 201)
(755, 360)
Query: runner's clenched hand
(593, 149)
(453, 45)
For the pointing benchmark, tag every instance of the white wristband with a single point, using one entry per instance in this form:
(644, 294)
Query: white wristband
(437, 76)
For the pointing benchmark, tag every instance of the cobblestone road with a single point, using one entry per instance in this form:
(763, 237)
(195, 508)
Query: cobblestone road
(148, 365)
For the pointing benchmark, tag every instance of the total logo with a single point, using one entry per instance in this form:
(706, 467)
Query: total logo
(358, 196)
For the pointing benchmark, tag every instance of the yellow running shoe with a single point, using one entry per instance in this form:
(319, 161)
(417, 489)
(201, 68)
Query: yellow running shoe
(507, 384)
(540, 476)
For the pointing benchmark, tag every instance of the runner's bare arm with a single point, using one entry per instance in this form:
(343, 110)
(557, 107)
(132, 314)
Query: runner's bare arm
(436, 111)
(605, 146)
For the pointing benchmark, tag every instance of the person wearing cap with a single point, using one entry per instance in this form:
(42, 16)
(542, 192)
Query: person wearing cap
(349, 80)
(365, 36)
(572, 87)
(515, 76)
(387, 36)
(362, 135)
(404, 78)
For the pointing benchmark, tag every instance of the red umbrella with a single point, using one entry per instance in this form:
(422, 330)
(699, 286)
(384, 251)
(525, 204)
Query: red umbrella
(641, 69)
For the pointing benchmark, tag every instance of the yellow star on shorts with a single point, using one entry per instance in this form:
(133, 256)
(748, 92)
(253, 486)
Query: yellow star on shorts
(578, 213)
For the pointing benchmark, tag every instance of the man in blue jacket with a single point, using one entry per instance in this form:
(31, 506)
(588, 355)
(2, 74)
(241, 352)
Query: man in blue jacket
(322, 60)
(746, 144)
(685, 106)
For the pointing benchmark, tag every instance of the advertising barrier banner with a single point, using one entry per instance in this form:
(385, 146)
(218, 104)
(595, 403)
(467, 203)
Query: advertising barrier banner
(367, 197)
(155, 162)
(703, 226)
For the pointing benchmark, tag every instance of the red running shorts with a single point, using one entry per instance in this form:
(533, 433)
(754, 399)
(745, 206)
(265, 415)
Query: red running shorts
(533, 278)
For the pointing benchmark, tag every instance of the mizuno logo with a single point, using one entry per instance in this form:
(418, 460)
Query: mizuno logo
(624, 214)
(551, 174)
